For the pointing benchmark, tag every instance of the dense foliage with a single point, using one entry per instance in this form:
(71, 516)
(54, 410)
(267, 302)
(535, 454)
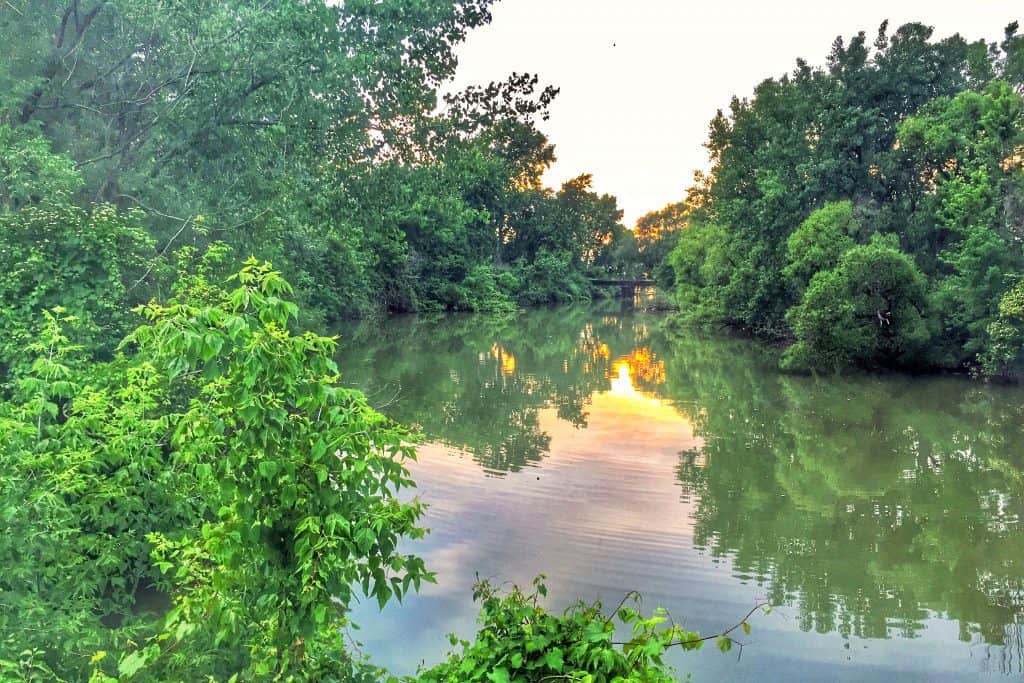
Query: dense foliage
(520, 642)
(308, 133)
(92, 262)
(215, 460)
(914, 140)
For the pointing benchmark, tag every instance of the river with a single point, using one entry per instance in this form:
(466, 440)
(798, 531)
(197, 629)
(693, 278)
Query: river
(880, 516)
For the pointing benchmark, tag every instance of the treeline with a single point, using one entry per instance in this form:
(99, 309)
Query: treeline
(644, 250)
(309, 135)
(870, 213)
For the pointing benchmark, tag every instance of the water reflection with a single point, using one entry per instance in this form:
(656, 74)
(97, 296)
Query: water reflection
(478, 383)
(868, 504)
(880, 512)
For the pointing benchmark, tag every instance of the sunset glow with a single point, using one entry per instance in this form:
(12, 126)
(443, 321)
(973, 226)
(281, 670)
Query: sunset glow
(622, 380)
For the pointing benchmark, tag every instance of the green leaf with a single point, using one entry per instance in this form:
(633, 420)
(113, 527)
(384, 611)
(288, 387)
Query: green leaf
(131, 664)
(268, 468)
(554, 659)
(595, 632)
(184, 628)
(499, 675)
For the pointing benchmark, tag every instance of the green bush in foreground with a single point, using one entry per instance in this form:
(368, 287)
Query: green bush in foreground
(520, 642)
(215, 463)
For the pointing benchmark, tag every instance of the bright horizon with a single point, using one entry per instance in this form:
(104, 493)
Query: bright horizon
(640, 81)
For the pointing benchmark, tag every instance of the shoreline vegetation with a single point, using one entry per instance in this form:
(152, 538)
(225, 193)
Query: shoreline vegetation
(172, 423)
(869, 214)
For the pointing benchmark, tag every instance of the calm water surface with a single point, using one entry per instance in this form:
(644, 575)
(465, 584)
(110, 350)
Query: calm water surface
(881, 516)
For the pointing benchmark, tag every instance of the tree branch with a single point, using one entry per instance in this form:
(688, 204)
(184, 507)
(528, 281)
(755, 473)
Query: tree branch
(722, 634)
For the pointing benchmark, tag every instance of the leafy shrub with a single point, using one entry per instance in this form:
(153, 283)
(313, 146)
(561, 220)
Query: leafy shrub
(868, 311)
(702, 272)
(30, 173)
(486, 290)
(550, 278)
(216, 460)
(94, 264)
(1004, 357)
(967, 300)
(520, 642)
(819, 242)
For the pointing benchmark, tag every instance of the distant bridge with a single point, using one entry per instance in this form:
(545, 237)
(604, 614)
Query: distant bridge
(627, 286)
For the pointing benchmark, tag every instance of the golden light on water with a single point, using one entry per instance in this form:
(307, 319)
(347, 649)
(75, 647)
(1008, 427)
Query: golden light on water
(630, 396)
(632, 374)
(506, 361)
(622, 379)
(640, 366)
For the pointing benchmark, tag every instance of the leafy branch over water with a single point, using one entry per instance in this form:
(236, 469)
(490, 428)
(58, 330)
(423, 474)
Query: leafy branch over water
(520, 641)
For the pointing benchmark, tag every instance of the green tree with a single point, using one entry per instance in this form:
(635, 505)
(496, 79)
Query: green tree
(819, 242)
(869, 311)
(657, 233)
(963, 148)
(31, 173)
(255, 116)
(702, 264)
(1004, 357)
(94, 263)
(907, 136)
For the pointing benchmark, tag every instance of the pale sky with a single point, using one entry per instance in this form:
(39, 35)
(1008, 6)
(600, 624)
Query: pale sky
(641, 79)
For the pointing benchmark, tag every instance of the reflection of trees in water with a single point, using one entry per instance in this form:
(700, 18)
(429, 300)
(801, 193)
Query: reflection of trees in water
(865, 503)
(1009, 659)
(479, 383)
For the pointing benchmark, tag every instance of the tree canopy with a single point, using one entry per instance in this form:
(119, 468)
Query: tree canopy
(309, 133)
(911, 138)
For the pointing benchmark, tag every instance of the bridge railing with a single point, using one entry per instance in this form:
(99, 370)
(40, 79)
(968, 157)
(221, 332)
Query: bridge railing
(623, 282)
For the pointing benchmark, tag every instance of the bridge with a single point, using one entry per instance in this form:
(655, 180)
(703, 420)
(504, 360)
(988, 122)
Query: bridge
(627, 286)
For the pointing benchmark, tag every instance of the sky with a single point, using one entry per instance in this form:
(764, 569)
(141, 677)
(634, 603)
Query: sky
(641, 79)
